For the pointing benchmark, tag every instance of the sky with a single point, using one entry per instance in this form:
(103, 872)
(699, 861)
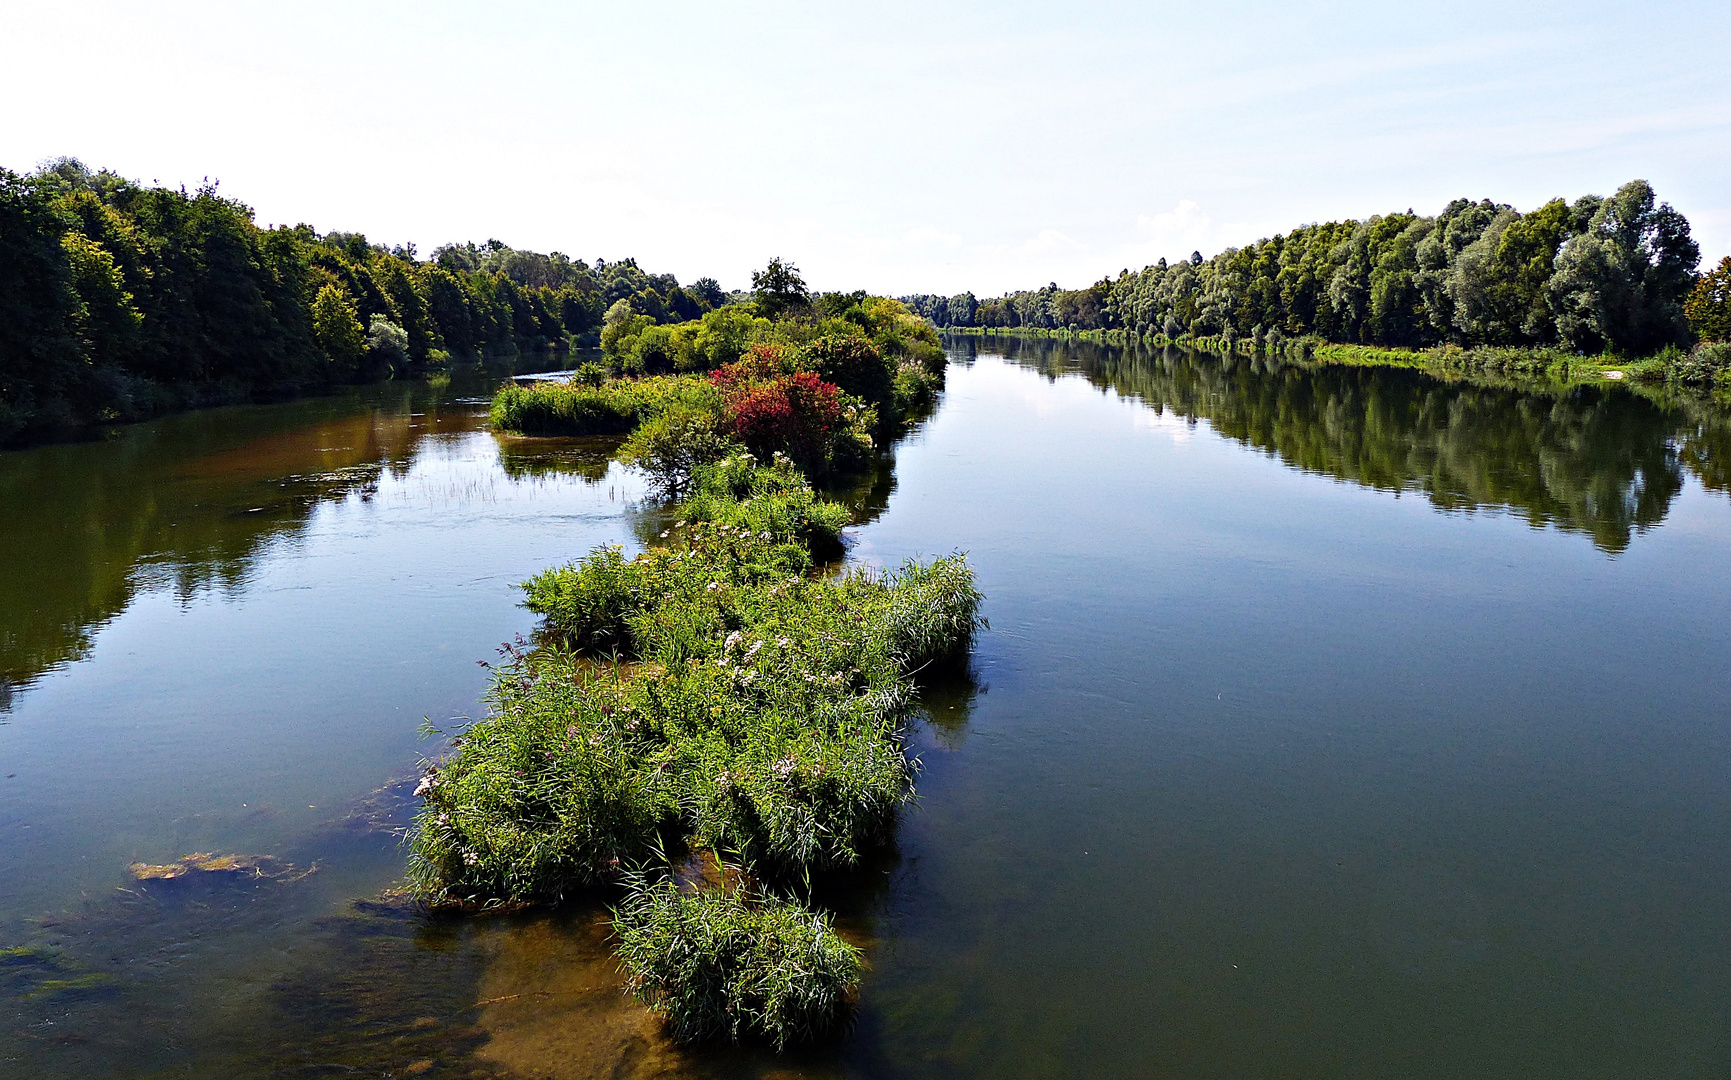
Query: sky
(896, 147)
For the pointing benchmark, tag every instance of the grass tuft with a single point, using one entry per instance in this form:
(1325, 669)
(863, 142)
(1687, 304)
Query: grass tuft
(720, 967)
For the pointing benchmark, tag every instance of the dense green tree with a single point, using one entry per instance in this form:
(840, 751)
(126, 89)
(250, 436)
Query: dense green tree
(1621, 284)
(337, 329)
(450, 308)
(779, 288)
(117, 300)
(708, 292)
(1709, 304)
(1600, 273)
(398, 281)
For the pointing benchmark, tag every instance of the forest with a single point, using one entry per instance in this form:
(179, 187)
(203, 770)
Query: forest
(1610, 274)
(120, 301)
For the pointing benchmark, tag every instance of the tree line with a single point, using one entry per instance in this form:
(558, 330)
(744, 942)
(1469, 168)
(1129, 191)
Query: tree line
(1614, 274)
(120, 301)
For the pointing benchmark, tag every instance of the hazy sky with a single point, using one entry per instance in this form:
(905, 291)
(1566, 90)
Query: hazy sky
(930, 147)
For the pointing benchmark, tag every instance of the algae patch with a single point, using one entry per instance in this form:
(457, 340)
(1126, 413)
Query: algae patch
(247, 866)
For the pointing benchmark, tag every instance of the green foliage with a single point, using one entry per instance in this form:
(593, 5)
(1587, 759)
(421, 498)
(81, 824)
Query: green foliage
(873, 349)
(723, 966)
(615, 407)
(1709, 304)
(779, 289)
(764, 521)
(387, 344)
(122, 300)
(854, 363)
(1706, 365)
(772, 502)
(337, 328)
(1600, 274)
(671, 445)
(760, 712)
(636, 343)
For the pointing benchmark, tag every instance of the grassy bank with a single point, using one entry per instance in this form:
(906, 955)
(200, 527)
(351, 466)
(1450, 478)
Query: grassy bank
(612, 407)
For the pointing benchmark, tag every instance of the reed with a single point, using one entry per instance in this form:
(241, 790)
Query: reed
(752, 706)
(720, 965)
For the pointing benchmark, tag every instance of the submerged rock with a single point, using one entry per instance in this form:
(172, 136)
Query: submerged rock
(255, 866)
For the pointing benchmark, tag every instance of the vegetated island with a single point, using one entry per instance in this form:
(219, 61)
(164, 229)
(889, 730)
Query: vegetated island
(718, 700)
(1568, 290)
(121, 301)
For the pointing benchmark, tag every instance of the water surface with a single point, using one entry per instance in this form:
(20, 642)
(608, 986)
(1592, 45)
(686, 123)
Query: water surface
(1332, 722)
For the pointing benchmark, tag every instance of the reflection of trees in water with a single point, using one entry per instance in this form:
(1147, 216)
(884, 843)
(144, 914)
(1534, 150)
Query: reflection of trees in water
(1606, 463)
(184, 505)
(534, 458)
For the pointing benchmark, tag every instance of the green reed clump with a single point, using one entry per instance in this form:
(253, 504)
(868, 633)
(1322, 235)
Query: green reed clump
(753, 708)
(745, 523)
(1706, 365)
(613, 407)
(739, 493)
(556, 790)
(761, 709)
(719, 965)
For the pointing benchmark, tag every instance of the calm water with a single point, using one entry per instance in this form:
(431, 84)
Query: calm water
(1338, 723)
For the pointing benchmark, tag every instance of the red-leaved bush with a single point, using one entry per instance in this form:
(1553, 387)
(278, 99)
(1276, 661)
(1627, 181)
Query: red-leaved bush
(759, 363)
(798, 414)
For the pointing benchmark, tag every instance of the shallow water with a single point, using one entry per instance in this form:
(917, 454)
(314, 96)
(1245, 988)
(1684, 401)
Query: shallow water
(1336, 722)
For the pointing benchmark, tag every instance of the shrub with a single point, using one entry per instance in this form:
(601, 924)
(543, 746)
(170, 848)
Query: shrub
(387, 342)
(672, 444)
(772, 502)
(1704, 365)
(799, 414)
(587, 605)
(916, 390)
(717, 966)
(762, 362)
(855, 365)
(763, 524)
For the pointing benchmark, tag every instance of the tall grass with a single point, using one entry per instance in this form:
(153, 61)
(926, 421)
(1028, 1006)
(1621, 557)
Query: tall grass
(720, 966)
(613, 407)
(755, 708)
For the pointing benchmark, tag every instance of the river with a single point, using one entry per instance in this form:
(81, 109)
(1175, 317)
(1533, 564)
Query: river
(1332, 722)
